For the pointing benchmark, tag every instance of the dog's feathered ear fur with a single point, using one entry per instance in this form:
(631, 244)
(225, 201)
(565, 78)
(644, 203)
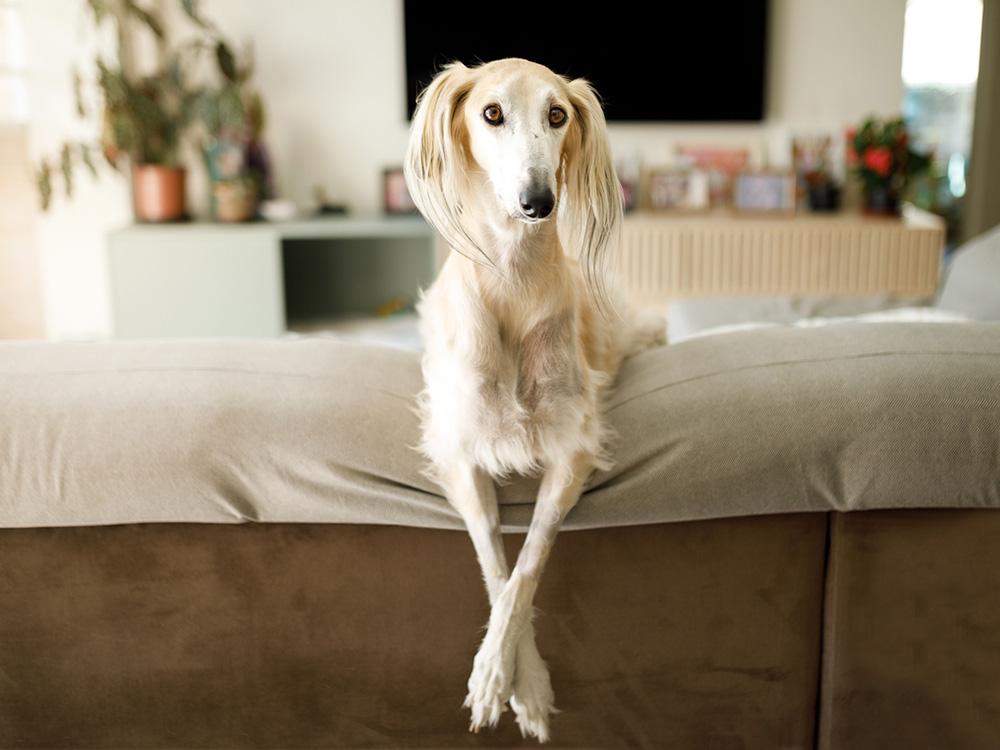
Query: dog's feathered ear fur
(436, 164)
(591, 214)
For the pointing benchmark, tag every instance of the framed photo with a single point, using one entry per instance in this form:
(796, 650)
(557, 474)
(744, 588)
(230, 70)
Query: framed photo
(720, 163)
(677, 190)
(396, 197)
(764, 192)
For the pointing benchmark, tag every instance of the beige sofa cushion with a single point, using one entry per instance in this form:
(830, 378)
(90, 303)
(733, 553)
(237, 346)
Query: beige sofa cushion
(767, 421)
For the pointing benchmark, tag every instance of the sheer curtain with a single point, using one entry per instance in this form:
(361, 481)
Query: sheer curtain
(983, 205)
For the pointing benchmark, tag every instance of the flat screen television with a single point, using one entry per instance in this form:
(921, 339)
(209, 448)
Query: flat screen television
(657, 62)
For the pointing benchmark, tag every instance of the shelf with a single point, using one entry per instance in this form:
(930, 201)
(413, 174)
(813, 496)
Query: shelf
(332, 227)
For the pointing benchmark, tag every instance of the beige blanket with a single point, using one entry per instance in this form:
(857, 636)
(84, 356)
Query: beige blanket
(768, 421)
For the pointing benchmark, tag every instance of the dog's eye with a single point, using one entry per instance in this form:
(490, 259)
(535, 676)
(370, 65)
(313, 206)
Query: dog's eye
(557, 117)
(493, 114)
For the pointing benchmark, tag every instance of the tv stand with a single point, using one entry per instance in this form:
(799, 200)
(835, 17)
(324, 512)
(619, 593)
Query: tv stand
(265, 279)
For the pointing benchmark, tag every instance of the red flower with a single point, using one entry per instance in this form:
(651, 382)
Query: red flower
(878, 160)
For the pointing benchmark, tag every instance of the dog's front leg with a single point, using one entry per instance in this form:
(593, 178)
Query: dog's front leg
(491, 682)
(473, 494)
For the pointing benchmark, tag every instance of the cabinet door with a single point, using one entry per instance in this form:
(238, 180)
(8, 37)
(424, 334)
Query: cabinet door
(192, 281)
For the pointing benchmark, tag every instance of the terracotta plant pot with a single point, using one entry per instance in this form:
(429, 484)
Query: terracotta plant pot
(158, 192)
(235, 200)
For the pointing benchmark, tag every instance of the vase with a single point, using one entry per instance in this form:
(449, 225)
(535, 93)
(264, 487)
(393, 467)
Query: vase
(882, 200)
(824, 196)
(234, 200)
(158, 192)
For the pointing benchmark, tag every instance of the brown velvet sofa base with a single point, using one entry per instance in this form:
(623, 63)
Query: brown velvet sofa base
(688, 635)
(912, 634)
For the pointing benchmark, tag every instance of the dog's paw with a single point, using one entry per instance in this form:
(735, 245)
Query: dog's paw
(490, 685)
(533, 698)
(532, 711)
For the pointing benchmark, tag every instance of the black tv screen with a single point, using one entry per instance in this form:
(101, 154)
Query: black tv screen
(657, 62)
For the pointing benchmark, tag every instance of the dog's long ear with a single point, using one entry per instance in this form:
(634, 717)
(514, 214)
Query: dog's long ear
(591, 215)
(436, 162)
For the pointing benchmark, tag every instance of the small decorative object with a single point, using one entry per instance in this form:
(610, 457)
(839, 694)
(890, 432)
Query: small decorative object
(277, 210)
(811, 161)
(822, 192)
(396, 197)
(879, 153)
(811, 153)
(720, 163)
(234, 200)
(677, 190)
(764, 192)
(326, 207)
(233, 114)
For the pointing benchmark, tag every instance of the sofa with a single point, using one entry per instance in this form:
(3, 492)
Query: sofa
(230, 544)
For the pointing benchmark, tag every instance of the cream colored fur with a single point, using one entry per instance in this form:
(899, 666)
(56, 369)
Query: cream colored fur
(522, 339)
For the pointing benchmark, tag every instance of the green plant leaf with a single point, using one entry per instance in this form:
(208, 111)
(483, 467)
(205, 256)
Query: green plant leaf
(113, 84)
(148, 18)
(88, 162)
(81, 110)
(255, 113)
(66, 167)
(123, 131)
(100, 10)
(232, 113)
(227, 62)
(43, 181)
(175, 72)
(191, 9)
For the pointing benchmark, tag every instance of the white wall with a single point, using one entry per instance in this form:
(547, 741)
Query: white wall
(332, 75)
(70, 238)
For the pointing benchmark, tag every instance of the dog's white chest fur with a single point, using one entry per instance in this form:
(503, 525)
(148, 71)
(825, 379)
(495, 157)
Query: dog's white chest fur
(504, 397)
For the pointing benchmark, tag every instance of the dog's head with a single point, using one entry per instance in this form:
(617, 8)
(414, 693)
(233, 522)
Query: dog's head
(534, 141)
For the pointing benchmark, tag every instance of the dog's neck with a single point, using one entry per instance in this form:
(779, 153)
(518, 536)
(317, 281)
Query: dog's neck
(524, 258)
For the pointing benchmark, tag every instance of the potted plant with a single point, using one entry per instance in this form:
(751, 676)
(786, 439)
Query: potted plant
(231, 112)
(143, 117)
(880, 154)
(822, 190)
(147, 118)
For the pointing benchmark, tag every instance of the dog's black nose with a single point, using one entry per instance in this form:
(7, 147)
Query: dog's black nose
(537, 203)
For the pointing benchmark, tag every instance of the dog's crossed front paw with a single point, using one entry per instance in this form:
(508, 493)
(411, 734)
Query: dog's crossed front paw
(533, 698)
(490, 685)
(532, 711)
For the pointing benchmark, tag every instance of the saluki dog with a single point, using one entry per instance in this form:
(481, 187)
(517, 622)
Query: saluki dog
(511, 164)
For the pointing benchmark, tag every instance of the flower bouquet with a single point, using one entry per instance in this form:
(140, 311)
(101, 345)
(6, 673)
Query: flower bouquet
(879, 152)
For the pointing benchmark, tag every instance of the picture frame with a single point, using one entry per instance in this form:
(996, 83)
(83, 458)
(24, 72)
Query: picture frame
(721, 163)
(765, 192)
(677, 190)
(396, 198)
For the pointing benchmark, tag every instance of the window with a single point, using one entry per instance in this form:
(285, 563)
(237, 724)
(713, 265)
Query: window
(940, 67)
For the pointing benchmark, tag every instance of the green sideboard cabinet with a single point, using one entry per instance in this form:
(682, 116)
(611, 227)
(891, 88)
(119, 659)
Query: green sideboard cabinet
(263, 279)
